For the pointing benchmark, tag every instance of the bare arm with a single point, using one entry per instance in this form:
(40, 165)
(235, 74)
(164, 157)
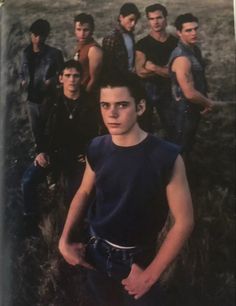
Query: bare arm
(182, 67)
(145, 68)
(140, 281)
(95, 65)
(74, 252)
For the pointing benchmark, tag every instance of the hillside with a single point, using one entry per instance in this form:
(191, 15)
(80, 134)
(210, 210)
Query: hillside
(33, 271)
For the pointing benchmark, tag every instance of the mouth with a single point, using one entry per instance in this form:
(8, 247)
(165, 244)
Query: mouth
(113, 124)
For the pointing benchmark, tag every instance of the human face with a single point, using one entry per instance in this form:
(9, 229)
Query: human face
(37, 39)
(157, 21)
(82, 31)
(188, 34)
(128, 22)
(119, 110)
(70, 79)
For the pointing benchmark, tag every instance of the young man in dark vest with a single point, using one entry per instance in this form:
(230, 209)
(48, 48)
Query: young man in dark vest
(189, 90)
(137, 179)
(88, 52)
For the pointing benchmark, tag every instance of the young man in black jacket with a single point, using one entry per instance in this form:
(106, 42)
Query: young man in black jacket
(66, 125)
(40, 66)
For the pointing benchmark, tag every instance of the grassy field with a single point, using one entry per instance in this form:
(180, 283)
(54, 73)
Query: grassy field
(203, 275)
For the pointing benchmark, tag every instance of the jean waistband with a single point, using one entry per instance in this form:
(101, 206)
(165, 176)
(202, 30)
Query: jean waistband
(109, 245)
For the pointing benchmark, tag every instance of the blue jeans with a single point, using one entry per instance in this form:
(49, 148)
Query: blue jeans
(112, 265)
(161, 100)
(33, 110)
(185, 124)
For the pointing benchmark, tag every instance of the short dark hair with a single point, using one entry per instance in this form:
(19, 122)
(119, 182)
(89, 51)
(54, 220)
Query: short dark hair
(184, 18)
(132, 82)
(85, 18)
(156, 7)
(40, 27)
(129, 8)
(71, 64)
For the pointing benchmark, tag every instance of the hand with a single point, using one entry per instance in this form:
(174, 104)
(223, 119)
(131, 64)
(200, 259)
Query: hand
(208, 108)
(150, 66)
(47, 82)
(42, 160)
(137, 284)
(74, 254)
(23, 84)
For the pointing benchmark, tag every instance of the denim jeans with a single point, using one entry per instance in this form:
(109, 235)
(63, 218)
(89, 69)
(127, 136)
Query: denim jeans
(112, 265)
(33, 110)
(185, 125)
(162, 102)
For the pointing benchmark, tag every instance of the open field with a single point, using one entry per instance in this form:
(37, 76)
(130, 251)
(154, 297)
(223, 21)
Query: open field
(33, 271)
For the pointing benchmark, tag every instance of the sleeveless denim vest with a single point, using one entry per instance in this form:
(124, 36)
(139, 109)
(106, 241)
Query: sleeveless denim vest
(197, 69)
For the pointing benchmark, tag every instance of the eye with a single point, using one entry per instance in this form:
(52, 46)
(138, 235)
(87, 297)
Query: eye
(104, 105)
(123, 104)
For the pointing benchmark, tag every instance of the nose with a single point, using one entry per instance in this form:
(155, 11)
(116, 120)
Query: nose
(113, 112)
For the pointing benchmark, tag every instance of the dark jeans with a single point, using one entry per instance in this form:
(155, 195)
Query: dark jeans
(185, 124)
(161, 100)
(34, 175)
(112, 265)
(33, 110)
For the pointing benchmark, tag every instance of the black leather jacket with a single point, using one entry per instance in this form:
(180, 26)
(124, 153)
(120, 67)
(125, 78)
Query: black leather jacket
(36, 68)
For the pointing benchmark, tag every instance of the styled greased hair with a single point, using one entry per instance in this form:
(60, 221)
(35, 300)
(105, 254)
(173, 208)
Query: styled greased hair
(132, 82)
(184, 18)
(85, 18)
(129, 8)
(156, 7)
(71, 64)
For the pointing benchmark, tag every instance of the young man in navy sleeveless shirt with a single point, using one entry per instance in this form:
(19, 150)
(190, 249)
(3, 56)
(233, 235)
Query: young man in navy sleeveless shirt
(137, 179)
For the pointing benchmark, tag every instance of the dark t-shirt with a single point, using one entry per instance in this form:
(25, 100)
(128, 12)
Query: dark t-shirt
(158, 53)
(130, 206)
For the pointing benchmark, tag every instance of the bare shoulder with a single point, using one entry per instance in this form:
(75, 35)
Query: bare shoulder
(95, 50)
(181, 63)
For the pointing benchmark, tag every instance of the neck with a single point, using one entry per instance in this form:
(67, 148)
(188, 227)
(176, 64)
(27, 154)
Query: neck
(72, 95)
(36, 48)
(160, 36)
(132, 138)
(86, 41)
(187, 44)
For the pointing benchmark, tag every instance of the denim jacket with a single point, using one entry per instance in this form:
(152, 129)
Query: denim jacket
(47, 65)
(197, 69)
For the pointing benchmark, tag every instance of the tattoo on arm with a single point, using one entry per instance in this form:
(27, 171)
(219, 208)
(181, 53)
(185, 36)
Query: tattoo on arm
(188, 77)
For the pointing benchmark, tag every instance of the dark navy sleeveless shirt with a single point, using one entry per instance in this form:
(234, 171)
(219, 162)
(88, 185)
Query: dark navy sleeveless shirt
(130, 206)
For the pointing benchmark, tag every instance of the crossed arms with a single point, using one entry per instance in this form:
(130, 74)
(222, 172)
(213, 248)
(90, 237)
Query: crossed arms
(145, 68)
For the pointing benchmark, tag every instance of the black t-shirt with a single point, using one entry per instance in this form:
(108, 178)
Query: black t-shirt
(158, 53)
(130, 206)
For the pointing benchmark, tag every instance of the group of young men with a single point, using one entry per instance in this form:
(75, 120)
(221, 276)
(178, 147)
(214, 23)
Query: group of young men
(128, 180)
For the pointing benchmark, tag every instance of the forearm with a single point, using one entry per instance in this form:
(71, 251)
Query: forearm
(75, 215)
(168, 251)
(156, 69)
(196, 97)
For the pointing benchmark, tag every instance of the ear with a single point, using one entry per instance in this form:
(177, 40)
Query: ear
(60, 79)
(178, 33)
(141, 107)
